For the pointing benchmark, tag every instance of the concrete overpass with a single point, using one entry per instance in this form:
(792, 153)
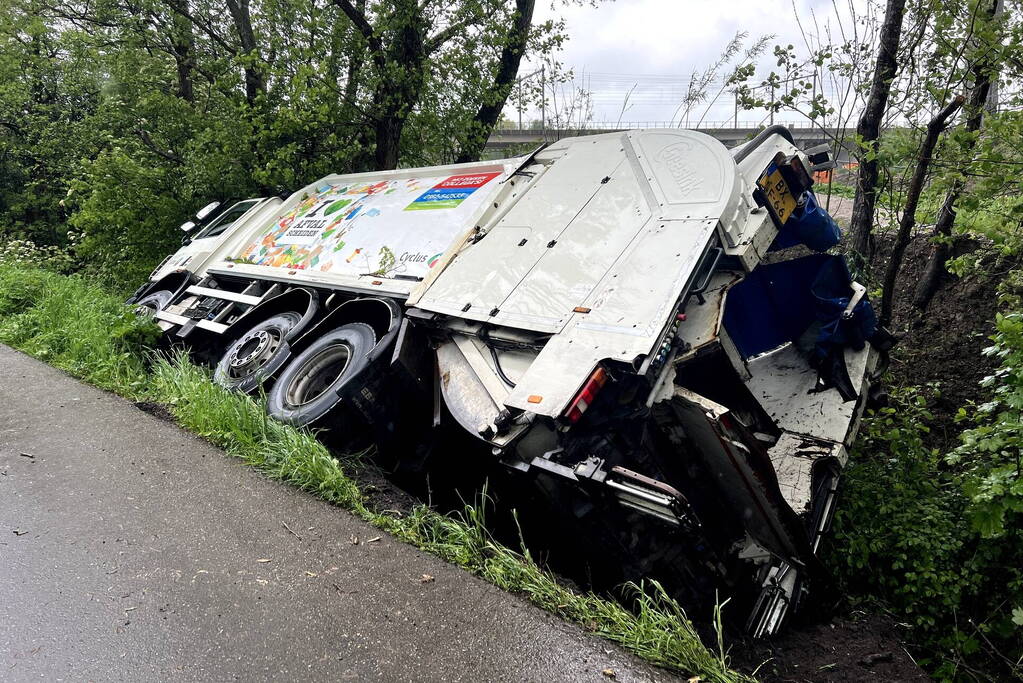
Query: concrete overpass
(805, 134)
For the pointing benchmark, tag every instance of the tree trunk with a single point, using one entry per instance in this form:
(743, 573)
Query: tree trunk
(941, 252)
(497, 94)
(254, 79)
(356, 58)
(869, 127)
(401, 81)
(182, 42)
(916, 185)
(935, 271)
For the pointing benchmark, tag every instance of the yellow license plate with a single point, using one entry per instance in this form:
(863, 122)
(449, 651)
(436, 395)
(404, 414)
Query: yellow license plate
(778, 194)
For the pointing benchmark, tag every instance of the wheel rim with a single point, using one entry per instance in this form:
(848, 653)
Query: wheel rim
(318, 374)
(256, 349)
(146, 310)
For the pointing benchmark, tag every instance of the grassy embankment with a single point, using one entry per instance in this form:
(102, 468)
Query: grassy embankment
(86, 331)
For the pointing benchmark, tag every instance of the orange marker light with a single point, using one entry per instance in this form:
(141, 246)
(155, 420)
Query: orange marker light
(535, 398)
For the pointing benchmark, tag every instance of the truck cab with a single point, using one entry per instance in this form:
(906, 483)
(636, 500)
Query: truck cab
(214, 227)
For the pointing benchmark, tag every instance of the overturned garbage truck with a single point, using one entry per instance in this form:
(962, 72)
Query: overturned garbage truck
(642, 327)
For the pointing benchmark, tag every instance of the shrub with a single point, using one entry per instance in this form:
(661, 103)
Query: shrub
(897, 532)
(936, 538)
(26, 253)
(988, 470)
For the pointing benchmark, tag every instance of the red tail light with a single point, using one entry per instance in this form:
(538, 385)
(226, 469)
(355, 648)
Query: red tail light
(584, 399)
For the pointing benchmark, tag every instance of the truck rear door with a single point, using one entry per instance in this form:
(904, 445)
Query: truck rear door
(547, 253)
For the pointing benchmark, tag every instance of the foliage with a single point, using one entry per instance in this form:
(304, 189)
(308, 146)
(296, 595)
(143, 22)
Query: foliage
(916, 535)
(988, 468)
(84, 330)
(75, 326)
(989, 458)
(895, 534)
(28, 253)
(992, 211)
(117, 120)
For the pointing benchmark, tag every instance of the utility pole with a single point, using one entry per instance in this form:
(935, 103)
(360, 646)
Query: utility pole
(520, 104)
(518, 83)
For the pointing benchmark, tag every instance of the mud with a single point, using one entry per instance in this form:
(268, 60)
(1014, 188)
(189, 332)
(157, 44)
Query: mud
(855, 648)
(157, 410)
(943, 345)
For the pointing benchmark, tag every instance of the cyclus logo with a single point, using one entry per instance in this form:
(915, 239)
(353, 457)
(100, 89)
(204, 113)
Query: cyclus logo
(677, 159)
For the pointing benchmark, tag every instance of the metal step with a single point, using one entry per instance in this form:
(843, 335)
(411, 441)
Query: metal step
(225, 295)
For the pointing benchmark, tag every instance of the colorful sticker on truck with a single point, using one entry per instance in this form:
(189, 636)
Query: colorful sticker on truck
(362, 229)
(450, 192)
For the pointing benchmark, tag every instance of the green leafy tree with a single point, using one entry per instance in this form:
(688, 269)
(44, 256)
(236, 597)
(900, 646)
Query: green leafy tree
(120, 117)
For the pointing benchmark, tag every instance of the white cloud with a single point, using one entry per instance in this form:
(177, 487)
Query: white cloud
(672, 38)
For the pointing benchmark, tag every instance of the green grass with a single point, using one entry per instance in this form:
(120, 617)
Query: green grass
(87, 332)
(836, 189)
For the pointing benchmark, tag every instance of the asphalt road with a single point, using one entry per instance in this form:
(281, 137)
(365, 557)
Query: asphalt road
(132, 550)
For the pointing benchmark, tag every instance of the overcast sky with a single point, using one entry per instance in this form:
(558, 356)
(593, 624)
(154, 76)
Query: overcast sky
(657, 44)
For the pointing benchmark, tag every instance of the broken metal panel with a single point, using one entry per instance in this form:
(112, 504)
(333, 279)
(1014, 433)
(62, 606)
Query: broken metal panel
(784, 384)
(703, 329)
(740, 469)
(794, 457)
(703, 319)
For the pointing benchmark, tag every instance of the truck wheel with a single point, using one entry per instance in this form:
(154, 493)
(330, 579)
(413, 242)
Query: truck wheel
(308, 388)
(153, 303)
(257, 354)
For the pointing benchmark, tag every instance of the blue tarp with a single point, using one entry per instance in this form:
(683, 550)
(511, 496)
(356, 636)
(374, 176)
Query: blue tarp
(778, 302)
(809, 224)
(832, 292)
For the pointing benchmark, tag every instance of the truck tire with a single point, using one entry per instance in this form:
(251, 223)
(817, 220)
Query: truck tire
(257, 354)
(309, 387)
(153, 303)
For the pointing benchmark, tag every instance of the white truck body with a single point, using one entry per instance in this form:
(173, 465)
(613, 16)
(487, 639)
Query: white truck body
(380, 232)
(504, 296)
(615, 227)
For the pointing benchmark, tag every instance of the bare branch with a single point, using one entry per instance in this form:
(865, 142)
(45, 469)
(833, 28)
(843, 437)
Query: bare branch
(166, 154)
